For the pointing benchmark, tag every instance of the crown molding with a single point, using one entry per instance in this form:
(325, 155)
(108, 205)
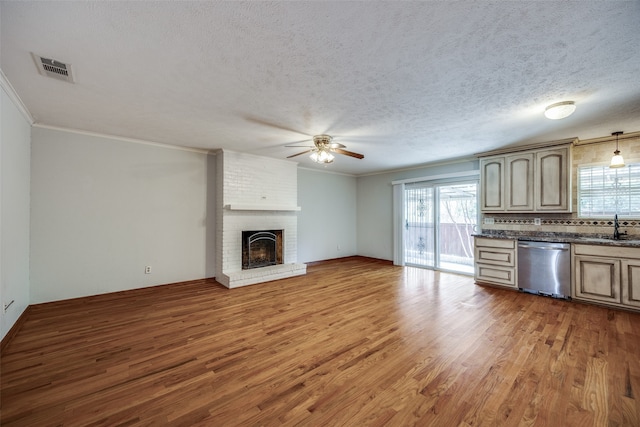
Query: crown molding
(121, 138)
(13, 95)
(467, 174)
(609, 138)
(422, 166)
(519, 148)
(326, 171)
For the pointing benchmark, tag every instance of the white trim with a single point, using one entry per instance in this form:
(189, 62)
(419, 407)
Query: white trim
(422, 166)
(605, 139)
(15, 98)
(121, 138)
(262, 208)
(398, 229)
(435, 177)
(328, 171)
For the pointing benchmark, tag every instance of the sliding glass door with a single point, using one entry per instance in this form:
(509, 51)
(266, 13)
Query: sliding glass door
(439, 221)
(419, 234)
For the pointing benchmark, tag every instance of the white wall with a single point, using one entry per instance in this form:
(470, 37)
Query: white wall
(14, 212)
(328, 216)
(102, 209)
(375, 206)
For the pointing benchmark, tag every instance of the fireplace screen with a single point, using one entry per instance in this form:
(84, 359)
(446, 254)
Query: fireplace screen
(261, 248)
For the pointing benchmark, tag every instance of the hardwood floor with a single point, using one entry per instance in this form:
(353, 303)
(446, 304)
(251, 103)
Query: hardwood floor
(354, 342)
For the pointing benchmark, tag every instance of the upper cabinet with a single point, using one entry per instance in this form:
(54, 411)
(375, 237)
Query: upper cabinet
(535, 180)
(519, 184)
(492, 187)
(553, 180)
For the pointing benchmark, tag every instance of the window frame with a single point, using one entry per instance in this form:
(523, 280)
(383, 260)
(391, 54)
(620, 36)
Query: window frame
(632, 215)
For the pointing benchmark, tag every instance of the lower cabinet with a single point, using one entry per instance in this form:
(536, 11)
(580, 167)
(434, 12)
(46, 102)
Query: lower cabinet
(612, 279)
(597, 278)
(495, 261)
(631, 282)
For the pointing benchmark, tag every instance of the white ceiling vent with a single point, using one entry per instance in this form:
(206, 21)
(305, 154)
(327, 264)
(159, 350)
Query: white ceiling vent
(52, 68)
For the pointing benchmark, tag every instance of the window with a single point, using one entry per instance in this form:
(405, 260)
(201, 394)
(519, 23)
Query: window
(604, 192)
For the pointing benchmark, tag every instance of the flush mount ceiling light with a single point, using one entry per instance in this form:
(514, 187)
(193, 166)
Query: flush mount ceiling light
(560, 110)
(616, 161)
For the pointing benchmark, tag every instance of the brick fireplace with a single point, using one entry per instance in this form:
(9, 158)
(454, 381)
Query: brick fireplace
(261, 248)
(255, 193)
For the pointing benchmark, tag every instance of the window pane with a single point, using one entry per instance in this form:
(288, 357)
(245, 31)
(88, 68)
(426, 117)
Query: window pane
(458, 217)
(419, 226)
(604, 192)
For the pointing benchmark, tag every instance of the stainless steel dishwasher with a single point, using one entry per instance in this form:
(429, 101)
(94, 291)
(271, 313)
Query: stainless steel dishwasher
(544, 268)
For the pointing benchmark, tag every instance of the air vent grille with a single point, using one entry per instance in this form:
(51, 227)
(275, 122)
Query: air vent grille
(53, 68)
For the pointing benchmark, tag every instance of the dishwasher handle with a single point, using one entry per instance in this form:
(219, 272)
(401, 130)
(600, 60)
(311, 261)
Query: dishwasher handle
(543, 248)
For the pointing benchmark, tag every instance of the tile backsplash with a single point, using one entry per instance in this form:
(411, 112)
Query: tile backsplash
(561, 223)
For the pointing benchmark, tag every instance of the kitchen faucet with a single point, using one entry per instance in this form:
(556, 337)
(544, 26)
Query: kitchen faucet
(616, 232)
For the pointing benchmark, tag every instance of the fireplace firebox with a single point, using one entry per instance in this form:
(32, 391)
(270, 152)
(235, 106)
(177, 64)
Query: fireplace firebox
(261, 248)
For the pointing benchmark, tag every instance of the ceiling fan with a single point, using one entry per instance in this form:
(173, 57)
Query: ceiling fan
(322, 149)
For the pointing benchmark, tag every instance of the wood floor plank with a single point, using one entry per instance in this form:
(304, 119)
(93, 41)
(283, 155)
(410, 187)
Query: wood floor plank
(354, 342)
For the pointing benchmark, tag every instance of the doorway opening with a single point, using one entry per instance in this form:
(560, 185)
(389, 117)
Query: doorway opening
(439, 220)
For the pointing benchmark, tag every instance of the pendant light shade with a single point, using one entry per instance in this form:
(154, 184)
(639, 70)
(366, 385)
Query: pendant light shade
(616, 161)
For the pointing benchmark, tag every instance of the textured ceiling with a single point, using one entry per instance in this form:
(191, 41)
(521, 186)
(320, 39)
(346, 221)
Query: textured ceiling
(405, 83)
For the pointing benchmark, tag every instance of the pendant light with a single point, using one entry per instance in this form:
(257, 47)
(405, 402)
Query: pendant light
(616, 161)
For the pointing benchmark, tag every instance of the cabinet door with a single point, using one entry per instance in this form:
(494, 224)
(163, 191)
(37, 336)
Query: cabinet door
(553, 180)
(597, 279)
(495, 275)
(492, 184)
(519, 182)
(496, 256)
(631, 282)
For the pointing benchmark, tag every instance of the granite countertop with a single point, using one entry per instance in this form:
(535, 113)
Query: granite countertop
(588, 239)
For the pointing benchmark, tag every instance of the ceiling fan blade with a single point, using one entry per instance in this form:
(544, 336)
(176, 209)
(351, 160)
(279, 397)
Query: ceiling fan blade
(299, 154)
(337, 145)
(300, 146)
(348, 153)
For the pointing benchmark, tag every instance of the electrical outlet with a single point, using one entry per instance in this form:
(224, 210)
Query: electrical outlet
(489, 221)
(147, 269)
(338, 248)
(536, 221)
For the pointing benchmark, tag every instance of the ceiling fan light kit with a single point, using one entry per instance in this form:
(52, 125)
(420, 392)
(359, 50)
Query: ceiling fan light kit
(560, 110)
(323, 149)
(322, 157)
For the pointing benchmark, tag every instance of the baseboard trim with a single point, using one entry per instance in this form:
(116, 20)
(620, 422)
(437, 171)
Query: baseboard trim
(14, 329)
(132, 292)
(350, 258)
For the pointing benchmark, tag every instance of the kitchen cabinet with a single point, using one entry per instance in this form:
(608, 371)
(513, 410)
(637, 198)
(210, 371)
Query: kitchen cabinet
(597, 278)
(519, 184)
(612, 278)
(553, 180)
(631, 282)
(537, 180)
(492, 189)
(495, 261)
